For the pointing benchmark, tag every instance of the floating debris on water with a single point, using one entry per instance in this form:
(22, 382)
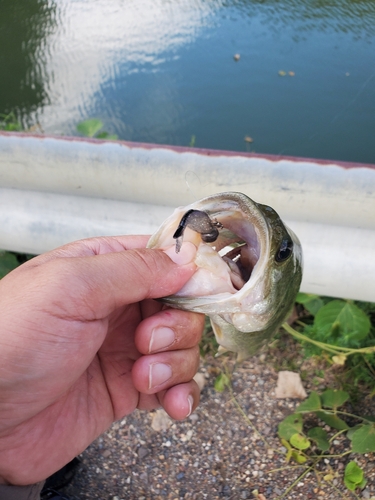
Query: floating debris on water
(236, 57)
(284, 73)
(247, 138)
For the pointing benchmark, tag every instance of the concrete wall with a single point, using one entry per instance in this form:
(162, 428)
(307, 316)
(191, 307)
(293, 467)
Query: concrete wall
(54, 190)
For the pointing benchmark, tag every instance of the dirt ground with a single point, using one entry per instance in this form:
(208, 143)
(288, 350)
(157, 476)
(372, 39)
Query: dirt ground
(220, 451)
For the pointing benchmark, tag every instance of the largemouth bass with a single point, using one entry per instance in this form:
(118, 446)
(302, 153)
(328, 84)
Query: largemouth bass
(249, 267)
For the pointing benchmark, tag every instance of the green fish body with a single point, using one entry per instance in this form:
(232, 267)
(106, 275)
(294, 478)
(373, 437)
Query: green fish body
(249, 267)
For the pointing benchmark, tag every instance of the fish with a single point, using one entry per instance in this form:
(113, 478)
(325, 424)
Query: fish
(249, 268)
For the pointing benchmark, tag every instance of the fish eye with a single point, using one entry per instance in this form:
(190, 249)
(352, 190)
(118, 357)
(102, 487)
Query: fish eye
(285, 250)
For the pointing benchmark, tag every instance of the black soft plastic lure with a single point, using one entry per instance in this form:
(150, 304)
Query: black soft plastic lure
(200, 222)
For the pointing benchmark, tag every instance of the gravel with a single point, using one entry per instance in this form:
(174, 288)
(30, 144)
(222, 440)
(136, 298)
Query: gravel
(219, 452)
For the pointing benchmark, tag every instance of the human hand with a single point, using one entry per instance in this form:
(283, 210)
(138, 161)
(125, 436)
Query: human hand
(81, 345)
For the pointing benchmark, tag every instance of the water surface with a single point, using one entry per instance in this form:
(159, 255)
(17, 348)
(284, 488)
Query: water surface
(163, 71)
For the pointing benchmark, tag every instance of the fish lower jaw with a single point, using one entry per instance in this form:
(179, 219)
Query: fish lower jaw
(245, 322)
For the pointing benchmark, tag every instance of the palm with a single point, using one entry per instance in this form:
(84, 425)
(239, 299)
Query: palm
(86, 403)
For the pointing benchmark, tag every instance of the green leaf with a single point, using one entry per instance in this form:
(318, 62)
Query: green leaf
(344, 320)
(298, 457)
(353, 472)
(13, 127)
(353, 476)
(89, 128)
(289, 449)
(222, 381)
(352, 430)
(363, 439)
(292, 424)
(320, 437)
(106, 135)
(8, 262)
(310, 302)
(299, 441)
(371, 418)
(363, 484)
(312, 403)
(10, 123)
(351, 486)
(334, 399)
(192, 141)
(332, 420)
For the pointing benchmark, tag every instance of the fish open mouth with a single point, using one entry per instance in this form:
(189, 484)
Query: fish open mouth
(248, 267)
(238, 252)
(240, 272)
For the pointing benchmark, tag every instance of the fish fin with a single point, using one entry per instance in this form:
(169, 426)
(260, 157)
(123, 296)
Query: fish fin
(221, 350)
(219, 335)
(241, 356)
(217, 331)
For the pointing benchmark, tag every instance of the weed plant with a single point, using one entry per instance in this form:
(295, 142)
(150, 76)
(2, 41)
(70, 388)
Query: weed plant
(343, 329)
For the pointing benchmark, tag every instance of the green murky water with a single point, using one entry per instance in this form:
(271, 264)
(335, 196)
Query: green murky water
(163, 71)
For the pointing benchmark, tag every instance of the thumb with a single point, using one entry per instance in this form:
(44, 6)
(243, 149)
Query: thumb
(121, 278)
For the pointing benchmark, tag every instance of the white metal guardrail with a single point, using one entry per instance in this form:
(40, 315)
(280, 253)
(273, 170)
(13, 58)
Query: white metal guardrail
(54, 190)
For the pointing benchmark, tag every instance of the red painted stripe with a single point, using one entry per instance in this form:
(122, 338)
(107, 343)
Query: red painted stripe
(199, 151)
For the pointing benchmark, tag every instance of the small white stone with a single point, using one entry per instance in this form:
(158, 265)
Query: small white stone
(289, 385)
(160, 421)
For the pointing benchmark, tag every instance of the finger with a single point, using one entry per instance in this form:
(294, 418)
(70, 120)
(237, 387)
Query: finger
(180, 400)
(156, 372)
(148, 402)
(169, 329)
(150, 307)
(96, 286)
(134, 275)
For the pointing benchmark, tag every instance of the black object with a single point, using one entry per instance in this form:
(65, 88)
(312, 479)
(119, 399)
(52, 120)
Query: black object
(200, 222)
(59, 480)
